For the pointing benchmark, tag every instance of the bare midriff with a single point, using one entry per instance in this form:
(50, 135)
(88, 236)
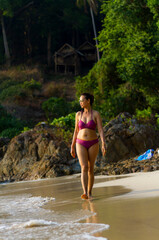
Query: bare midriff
(87, 134)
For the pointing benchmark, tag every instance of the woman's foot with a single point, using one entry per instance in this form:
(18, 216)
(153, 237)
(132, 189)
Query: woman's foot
(90, 197)
(84, 196)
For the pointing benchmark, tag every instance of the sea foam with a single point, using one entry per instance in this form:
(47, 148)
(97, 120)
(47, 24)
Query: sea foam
(23, 217)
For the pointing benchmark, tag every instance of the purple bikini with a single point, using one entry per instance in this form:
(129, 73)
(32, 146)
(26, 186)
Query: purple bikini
(90, 125)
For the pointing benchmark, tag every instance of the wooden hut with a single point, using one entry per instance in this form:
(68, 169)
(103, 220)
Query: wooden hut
(67, 60)
(89, 52)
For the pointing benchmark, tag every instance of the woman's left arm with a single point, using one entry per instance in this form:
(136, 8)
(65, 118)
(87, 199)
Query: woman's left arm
(101, 132)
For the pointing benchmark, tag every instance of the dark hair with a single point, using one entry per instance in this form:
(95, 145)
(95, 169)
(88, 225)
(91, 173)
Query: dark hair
(88, 96)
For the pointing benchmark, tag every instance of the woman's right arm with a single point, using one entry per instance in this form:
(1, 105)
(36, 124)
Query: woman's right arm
(75, 136)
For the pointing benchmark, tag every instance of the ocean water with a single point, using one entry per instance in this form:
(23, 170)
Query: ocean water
(46, 209)
(52, 209)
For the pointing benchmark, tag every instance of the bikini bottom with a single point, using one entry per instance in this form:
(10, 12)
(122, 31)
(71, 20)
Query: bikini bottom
(87, 144)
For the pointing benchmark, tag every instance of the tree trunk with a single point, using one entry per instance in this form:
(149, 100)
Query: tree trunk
(49, 49)
(100, 84)
(7, 54)
(85, 7)
(95, 33)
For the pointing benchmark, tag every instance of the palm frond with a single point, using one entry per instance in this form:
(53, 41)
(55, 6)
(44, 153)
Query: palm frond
(94, 5)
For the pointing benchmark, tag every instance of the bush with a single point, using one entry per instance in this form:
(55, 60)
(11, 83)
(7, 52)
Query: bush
(10, 122)
(152, 99)
(32, 85)
(9, 126)
(100, 79)
(157, 121)
(25, 129)
(124, 99)
(67, 122)
(144, 114)
(11, 92)
(55, 107)
(65, 126)
(10, 132)
(74, 106)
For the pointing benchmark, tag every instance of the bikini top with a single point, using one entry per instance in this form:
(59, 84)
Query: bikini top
(90, 125)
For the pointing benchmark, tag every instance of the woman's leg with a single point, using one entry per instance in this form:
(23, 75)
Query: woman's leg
(92, 155)
(82, 154)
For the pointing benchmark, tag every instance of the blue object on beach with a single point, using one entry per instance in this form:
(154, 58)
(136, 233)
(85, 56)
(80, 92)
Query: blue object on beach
(147, 155)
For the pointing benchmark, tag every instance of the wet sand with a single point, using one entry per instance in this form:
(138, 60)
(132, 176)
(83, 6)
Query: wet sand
(129, 203)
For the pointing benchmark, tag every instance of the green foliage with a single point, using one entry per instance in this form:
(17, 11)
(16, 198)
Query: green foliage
(8, 6)
(9, 126)
(11, 92)
(55, 107)
(18, 81)
(25, 129)
(59, 107)
(32, 85)
(8, 121)
(144, 114)
(92, 82)
(157, 122)
(10, 132)
(67, 122)
(74, 106)
(2, 111)
(152, 98)
(65, 126)
(124, 99)
(129, 40)
(128, 73)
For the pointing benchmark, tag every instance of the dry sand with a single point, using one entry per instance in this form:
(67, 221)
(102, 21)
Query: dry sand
(142, 184)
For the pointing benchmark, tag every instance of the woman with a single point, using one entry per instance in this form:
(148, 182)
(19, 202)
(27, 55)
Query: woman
(86, 141)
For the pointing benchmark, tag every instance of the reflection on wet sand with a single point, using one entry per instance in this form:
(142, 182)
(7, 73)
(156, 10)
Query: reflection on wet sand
(129, 219)
(90, 206)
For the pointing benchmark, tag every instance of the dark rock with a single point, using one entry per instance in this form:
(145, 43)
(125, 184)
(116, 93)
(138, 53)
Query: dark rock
(3, 146)
(126, 138)
(147, 169)
(37, 153)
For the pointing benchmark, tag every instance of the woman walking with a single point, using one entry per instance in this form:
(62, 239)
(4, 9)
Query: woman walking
(86, 141)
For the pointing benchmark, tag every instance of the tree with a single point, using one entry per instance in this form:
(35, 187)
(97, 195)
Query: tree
(129, 67)
(93, 9)
(9, 8)
(5, 10)
(55, 23)
(130, 39)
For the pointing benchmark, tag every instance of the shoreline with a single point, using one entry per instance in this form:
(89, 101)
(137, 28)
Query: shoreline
(142, 184)
(123, 207)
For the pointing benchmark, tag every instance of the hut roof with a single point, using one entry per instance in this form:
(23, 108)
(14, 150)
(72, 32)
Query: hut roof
(86, 45)
(66, 50)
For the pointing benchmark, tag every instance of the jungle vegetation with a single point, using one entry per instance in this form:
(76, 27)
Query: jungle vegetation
(126, 77)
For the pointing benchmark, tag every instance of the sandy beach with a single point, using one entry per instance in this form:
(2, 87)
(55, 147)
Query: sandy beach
(123, 208)
(141, 184)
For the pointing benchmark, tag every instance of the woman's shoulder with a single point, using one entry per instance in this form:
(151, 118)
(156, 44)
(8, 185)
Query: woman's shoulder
(78, 113)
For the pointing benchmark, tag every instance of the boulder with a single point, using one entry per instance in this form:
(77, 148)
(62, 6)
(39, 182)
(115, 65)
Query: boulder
(37, 153)
(42, 153)
(130, 166)
(3, 146)
(126, 137)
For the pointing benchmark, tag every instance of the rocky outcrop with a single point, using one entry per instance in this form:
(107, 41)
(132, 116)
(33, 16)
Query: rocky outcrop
(42, 153)
(130, 166)
(3, 146)
(127, 138)
(37, 153)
